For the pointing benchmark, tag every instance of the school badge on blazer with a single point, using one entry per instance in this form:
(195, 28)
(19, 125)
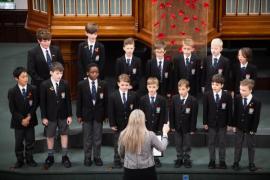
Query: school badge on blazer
(63, 95)
(187, 111)
(223, 106)
(158, 109)
(97, 54)
(101, 95)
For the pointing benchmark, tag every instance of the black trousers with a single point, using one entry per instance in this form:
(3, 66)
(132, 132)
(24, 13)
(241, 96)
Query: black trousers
(182, 145)
(213, 135)
(116, 153)
(239, 139)
(142, 174)
(24, 143)
(92, 138)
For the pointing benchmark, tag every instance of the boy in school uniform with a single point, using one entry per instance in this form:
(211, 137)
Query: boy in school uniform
(188, 66)
(183, 120)
(160, 68)
(217, 116)
(91, 111)
(40, 58)
(129, 64)
(22, 105)
(121, 103)
(215, 64)
(243, 69)
(56, 112)
(247, 111)
(91, 51)
(154, 107)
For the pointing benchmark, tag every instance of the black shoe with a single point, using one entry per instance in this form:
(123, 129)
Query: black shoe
(18, 164)
(31, 162)
(66, 162)
(157, 163)
(49, 161)
(252, 167)
(98, 162)
(212, 165)
(187, 163)
(178, 163)
(88, 162)
(236, 166)
(117, 164)
(222, 165)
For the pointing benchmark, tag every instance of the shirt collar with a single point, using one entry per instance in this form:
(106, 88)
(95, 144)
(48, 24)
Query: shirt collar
(219, 93)
(218, 56)
(54, 82)
(121, 92)
(152, 96)
(128, 58)
(22, 87)
(90, 43)
(90, 81)
(249, 97)
(243, 65)
(181, 97)
(189, 57)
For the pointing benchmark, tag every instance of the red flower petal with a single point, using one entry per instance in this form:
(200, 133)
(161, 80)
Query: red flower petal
(172, 42)
(203, 23)
(161, 36)
(162, 6)
(192, 6)
(195, 17)
(154, 1)
(173, 16)
(168, 58)
(180, 13)
(186, 19)
(180, 50)
(173, 26)
(182, 33)
(163, 16)
(168, 4)
(197, 29)
(206, 4)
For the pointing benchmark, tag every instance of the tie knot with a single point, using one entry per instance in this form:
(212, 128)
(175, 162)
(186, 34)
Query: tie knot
(93, 82)
(160, 62)
(182, 101)
(57, 85)
(152, 98)
(47, 51)
(23, 90)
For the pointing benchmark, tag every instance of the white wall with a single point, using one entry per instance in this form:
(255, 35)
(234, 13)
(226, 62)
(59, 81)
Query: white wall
(21, 4)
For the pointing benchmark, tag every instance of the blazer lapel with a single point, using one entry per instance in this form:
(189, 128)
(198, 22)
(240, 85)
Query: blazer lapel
(41, 55)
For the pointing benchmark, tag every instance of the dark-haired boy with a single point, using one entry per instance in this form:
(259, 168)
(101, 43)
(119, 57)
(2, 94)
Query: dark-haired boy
(217, 116)
(90, 51)
(91, 111)
(160, 68)
(22, 104)
(40, 58)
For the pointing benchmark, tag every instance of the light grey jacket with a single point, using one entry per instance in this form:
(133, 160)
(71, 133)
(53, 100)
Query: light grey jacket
(145, 159)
